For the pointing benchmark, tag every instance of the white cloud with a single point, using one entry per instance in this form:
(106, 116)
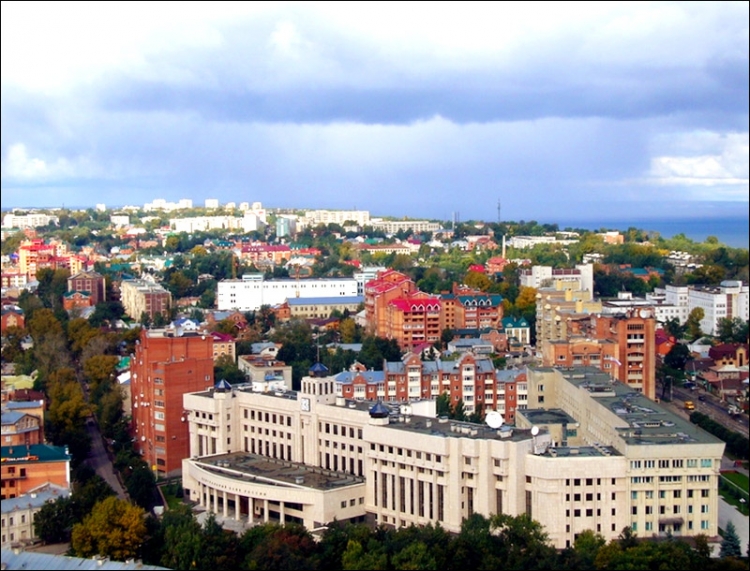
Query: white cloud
(20, 166)
(707, 159)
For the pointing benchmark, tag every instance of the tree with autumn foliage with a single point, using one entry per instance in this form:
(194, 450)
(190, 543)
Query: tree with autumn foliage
(115, 528)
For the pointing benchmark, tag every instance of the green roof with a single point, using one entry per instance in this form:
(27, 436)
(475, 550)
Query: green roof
(43, 452)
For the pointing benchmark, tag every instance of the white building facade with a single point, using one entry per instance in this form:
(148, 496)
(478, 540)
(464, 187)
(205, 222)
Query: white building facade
(588, 453)
(254, 291)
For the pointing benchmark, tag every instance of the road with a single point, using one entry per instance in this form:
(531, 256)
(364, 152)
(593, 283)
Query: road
(711, 406)
(100, 462)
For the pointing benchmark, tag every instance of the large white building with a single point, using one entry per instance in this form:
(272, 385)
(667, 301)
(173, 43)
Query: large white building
(394, 226)
(587, 453)
(546, 276)
(316, 217)
(254, 291)
(728, 300)
(248, 223)
(32, 220)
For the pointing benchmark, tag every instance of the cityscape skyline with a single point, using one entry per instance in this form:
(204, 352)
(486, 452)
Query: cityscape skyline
(603, 111)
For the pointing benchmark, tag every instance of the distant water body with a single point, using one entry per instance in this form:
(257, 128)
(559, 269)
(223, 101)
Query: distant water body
(733, 232)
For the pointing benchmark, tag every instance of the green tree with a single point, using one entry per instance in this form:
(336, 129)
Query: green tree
(693, 324)
(730, 543)
(678, 357)
(443, 404)
(114, 528)
(53, 522)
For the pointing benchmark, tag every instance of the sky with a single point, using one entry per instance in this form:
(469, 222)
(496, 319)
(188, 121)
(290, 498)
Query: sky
(575, 111)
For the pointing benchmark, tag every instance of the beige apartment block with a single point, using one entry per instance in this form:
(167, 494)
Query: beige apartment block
(588, 453)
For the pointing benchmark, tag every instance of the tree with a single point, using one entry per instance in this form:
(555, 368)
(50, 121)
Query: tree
(675, 328)
(115, 528)
(733, 330)
(52, 523)
(678, 357)
(693, 324)
(477, 280)
(443, 404)
(730, 544)
(225, 368)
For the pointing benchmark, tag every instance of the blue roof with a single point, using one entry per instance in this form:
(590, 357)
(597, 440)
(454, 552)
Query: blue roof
(369, 376)
(11, 417)
(13, 404)
(379, 410)
(45, 452)
(223, 385)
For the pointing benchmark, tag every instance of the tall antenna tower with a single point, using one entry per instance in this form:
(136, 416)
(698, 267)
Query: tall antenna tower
(499, 218)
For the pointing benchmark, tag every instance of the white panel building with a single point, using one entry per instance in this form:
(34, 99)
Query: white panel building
(728, 300)
(253, 291)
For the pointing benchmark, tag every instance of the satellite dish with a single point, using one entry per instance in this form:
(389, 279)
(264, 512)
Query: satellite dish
(645, 313)
(494, 419)
(534, 430)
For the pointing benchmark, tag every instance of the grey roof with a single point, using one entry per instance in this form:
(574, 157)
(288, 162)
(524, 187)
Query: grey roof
(258, 347)
(34, 560)
(34, 499)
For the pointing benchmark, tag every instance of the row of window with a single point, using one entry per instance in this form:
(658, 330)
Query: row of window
(674, 463)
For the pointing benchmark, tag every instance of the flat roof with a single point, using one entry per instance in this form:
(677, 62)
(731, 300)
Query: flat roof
(547, 416)
(271, 471)
(647, 421)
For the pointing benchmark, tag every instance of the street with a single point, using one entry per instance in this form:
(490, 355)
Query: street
(99, 460)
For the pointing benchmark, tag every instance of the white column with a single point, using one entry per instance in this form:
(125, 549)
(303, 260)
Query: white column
(282, 517)
(224, 498)
(237, 501)
(265, 511)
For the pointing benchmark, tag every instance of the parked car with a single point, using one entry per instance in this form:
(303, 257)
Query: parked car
(702, 398)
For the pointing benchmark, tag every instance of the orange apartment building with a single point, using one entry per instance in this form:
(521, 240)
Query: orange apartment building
(36, 254)
(166, 365)
(414, 319)
(621, 345)
(388, 286)
(25, 468)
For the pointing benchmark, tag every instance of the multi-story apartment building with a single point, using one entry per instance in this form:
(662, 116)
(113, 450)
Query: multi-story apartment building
(275, 254)
(728, 300)
(465, 308)
(32, 220)
(139, 297)
(166, 365)
(388, 286)
(470, 378)
(36, 254)
(622, 345)
(316, 217)
(19, 428)
(254, 291)
(587, 453)
(414, 319)
(559, 308)
(27, 467)
(395, 226)
(582, 276)
(91, 282)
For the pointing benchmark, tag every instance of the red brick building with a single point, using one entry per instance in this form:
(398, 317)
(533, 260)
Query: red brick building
(388, 286)
(91, 282)
(166, 365)
(11, 316)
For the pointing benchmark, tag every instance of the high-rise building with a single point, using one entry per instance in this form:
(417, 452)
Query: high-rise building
(92, 282)
(167, 364)
(139, 297)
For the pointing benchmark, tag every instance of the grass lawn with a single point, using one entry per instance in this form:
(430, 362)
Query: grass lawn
(170, 495)
(739, 479)
(733, 497)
